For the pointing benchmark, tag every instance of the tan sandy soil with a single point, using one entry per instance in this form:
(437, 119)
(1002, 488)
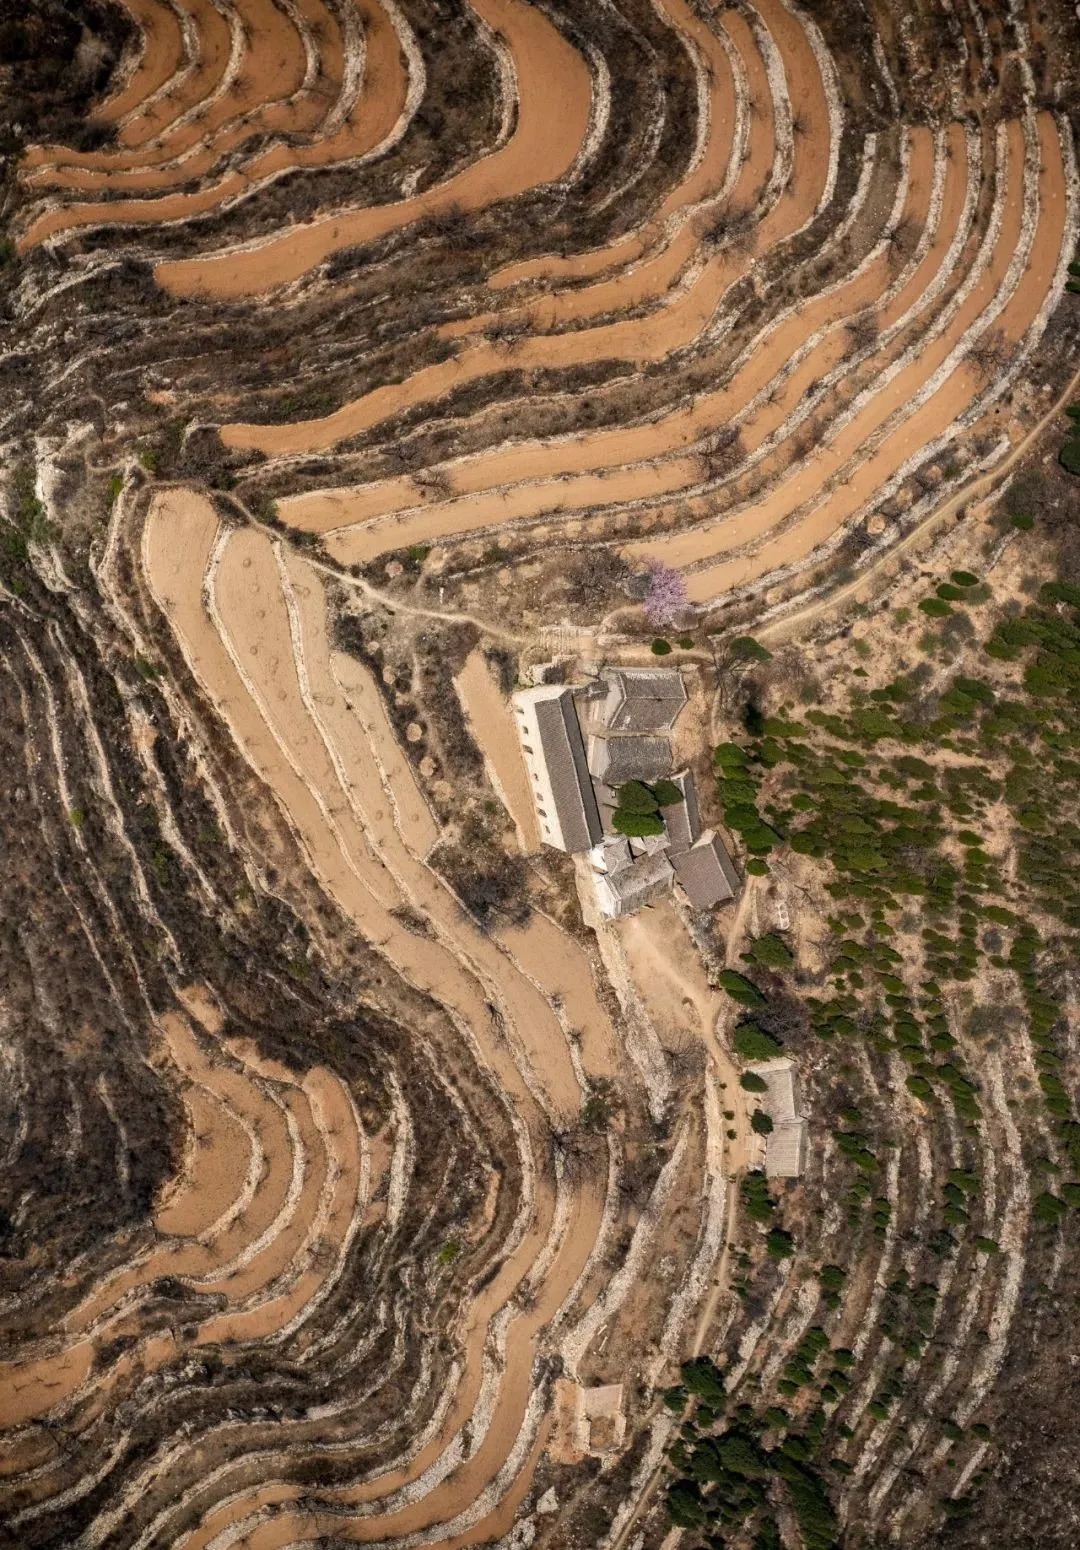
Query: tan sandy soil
(148, 119)
(271, 70)
(262, 99)
(466, 1482)
(199, 1257)
(492, 722)
(671, 981)
(371, 120)
(217, 1154)
(628, 462)
(161, 57)
(676, 324)
(554, 94)
(317, 1222)
(863, 586)
(561, 968)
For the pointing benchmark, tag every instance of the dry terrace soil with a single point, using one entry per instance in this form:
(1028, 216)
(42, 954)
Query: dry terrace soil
(360, 355)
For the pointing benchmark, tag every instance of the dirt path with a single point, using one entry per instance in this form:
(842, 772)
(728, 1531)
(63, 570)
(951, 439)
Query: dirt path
(554, 94)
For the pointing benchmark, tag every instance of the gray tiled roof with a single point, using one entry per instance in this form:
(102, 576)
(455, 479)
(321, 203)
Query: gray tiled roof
(644, 879)
(785, 1150)
(706, 873)
(683, 820)
(615, 760)
(647, 699)
(564, 755)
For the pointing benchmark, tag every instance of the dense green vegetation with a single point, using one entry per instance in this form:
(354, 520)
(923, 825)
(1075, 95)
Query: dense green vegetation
(945, 819)
(638, 810)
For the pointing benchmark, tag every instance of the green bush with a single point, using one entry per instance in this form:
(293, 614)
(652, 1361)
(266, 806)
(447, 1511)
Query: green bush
(744, 648)
(665, 794)
(637, 825)
(702, 1377)
(635, 797)
(752, 1083)
(761, 1123)
(740, 989)
(685, 1504)
(779, 1244)
(756, 867)
(1048, 1209)
(771, 951)
(757, 1202)
(936, 607)
(1069, 456)
(753, 1043)
(660, 647)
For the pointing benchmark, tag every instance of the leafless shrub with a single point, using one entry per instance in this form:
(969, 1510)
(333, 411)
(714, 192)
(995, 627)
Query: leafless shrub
(990, 354)
(721, 454)
(902, 241)
(730, 228)
(863, 331)
(434, 484)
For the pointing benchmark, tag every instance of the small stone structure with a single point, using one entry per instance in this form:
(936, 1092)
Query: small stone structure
(786, 1145)
(590, 1422)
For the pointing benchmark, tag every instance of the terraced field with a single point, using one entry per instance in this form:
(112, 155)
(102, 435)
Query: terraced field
(362, 355)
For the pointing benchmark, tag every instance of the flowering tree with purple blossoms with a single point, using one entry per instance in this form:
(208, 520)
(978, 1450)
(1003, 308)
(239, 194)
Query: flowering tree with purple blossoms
(666, 596)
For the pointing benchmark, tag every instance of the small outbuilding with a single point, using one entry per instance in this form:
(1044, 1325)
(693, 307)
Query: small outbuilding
(786, 1145)
(705, 872)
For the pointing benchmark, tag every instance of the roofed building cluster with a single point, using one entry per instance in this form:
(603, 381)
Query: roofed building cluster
(585, 745)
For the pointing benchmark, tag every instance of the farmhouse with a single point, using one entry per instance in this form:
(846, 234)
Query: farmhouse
(582, 745)
(555, 758)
